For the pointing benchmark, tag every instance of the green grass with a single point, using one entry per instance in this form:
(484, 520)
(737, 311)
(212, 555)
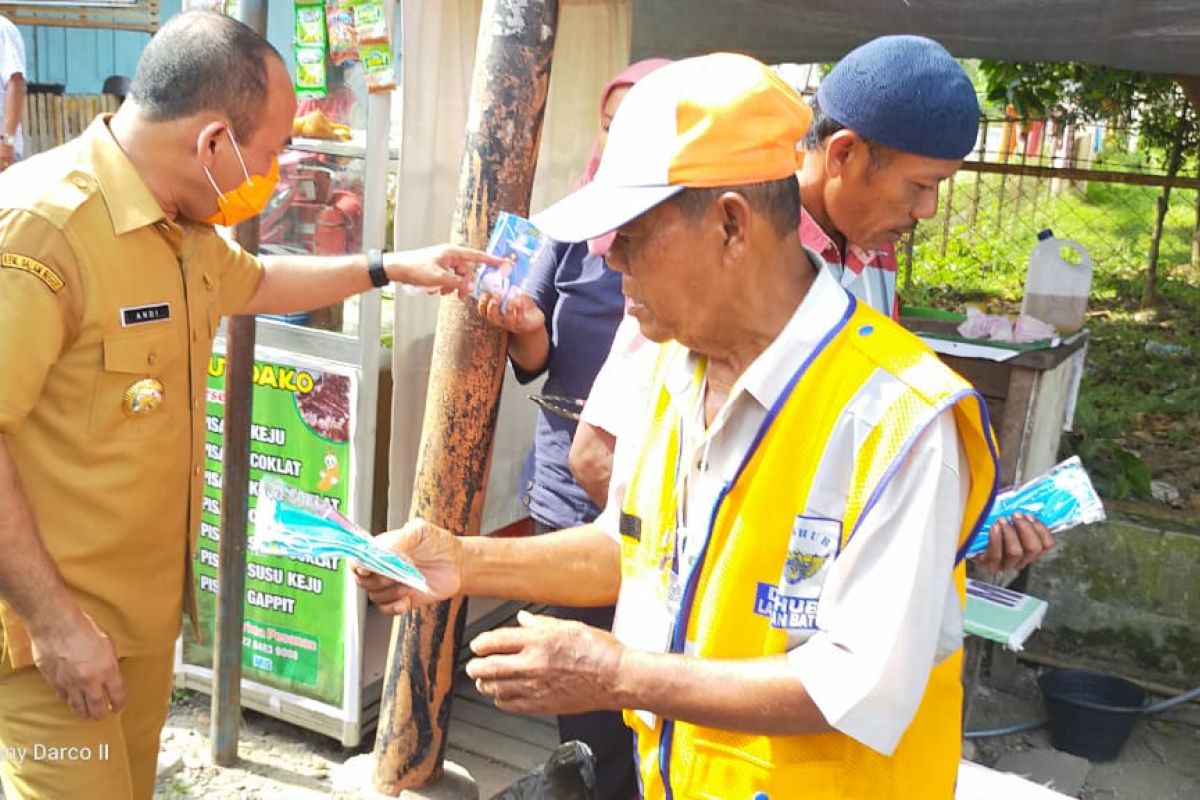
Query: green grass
(989, 242)
(1139, 414)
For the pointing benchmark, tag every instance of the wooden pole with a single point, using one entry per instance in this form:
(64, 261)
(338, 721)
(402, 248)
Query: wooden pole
(235, 486)
(508, 100)
(978, 177)
(1078, 174)
(1020, 181)
(949, 211)
(1191, 87)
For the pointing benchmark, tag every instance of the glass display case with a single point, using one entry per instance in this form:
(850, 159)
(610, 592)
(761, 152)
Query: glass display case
(321, 378)
(317, 209)
(318, 206)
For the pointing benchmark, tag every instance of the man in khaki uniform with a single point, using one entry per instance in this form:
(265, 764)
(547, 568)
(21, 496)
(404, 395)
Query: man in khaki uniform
(112, 284)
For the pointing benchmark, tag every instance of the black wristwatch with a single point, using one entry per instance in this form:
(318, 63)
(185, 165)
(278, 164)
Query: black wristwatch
(375, 269)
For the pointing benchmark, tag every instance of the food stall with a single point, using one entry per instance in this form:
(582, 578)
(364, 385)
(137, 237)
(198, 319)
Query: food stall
(327, 418)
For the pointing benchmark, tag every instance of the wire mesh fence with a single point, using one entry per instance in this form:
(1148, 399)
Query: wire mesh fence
(1085, 184)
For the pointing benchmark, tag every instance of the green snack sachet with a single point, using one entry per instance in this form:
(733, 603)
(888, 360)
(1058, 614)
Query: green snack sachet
(310, 72)
(377, 67)
(310, 26)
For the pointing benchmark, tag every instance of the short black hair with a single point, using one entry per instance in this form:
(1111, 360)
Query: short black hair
(779, 200)
(202, 61)
(823, 126)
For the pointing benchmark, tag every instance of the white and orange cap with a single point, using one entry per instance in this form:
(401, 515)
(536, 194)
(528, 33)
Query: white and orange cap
(717, 120)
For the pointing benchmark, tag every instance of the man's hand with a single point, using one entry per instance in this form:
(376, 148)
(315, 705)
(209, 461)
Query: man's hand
(547, 666)
(1015, 543)
(433, 550)
(80, 663)
(443, 268)
(7, 154)
(520, 314)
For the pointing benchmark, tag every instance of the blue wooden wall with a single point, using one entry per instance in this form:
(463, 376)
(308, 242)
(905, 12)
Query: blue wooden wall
(83, 58)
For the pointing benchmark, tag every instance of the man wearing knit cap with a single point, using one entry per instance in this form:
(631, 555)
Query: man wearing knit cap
(892, 120)
(784, 533)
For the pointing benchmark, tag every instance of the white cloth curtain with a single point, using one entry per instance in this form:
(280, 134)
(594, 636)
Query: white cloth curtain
(437, 60)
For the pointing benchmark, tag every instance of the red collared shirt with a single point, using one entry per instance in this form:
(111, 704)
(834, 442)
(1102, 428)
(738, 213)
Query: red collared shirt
(868, 275)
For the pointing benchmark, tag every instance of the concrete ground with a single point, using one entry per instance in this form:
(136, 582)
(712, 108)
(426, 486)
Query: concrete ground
(1161, 760)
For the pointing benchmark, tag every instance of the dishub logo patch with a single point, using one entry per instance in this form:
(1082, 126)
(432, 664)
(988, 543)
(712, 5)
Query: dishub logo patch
(793, 602)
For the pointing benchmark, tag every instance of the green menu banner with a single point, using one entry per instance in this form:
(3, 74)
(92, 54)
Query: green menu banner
(294, 634)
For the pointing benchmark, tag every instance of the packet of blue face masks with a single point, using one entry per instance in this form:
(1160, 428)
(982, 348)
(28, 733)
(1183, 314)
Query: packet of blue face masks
(518, 242)
(290, 522)
(1062, 498)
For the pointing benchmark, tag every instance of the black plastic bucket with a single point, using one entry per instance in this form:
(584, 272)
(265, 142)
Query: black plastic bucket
(1090, 714)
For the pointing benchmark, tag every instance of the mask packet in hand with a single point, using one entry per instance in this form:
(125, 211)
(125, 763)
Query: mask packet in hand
(291, 522)
(1062, 498)
(518, 242)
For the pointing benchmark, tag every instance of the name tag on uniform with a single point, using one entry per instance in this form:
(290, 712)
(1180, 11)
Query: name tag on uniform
(140, 315)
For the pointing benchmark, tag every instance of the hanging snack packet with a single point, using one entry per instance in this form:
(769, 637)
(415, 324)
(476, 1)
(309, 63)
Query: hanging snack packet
(1062, 498)
(310, 47)
(343, 41)
(310, 72)
(310, 26)
(370, 22)
(377, 67)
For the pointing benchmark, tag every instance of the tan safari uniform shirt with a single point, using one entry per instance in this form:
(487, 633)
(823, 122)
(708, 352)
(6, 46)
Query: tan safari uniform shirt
(107, 314)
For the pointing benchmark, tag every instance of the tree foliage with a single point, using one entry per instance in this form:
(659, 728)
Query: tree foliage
(1153, 105)
(1156, 106)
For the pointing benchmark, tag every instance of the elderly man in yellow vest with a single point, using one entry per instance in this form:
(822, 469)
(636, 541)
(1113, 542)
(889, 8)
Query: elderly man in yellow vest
(113, 281)
(784, 537)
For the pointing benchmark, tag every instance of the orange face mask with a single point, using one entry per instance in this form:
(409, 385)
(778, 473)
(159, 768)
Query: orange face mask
(248, 199)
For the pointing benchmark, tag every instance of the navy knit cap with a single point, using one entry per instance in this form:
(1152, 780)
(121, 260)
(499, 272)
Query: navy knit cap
(906, 92)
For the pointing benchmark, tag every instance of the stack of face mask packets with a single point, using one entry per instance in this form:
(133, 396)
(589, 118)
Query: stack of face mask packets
(1062, 498)
(289, 522)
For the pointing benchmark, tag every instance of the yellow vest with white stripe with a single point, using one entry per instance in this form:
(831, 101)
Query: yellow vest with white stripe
(724, 611)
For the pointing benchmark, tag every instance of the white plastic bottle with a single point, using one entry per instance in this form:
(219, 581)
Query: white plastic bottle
(1056, 289)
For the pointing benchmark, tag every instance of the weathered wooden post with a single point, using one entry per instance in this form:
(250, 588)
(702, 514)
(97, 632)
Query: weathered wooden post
(508, 100)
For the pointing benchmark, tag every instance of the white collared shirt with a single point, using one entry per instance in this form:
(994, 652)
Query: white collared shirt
(888, 607)
(12, 63)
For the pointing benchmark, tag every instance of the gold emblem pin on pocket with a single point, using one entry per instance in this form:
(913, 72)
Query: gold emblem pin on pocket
(142, 397)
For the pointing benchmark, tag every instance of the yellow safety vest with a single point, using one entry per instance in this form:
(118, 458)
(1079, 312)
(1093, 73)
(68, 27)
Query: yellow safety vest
(735, 603)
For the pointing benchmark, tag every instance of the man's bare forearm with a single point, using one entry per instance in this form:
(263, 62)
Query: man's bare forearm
(576, 567)
(758, 695)
(302, 283)
(29, 580)
(14, 105)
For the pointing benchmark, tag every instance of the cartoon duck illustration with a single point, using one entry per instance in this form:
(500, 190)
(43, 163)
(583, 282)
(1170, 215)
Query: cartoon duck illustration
(331, 474)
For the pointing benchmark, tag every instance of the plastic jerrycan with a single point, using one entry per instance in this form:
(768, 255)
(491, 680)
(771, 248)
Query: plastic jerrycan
(1056, 288)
